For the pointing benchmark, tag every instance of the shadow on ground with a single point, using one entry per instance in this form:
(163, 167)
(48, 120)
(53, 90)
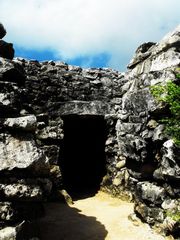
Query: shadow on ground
(66, 223)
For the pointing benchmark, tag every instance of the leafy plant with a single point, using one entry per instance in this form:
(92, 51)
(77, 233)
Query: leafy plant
(174, 214)
(170, 94)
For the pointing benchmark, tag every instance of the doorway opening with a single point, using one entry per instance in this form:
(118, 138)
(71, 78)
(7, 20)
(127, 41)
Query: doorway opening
(83, 154)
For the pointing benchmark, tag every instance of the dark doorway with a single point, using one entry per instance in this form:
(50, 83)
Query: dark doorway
(83, 159)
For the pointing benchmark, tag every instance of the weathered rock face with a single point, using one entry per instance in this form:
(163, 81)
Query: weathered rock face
(24, 167)
(141, 163)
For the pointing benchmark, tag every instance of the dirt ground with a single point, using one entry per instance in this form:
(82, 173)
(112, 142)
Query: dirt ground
(100, 217)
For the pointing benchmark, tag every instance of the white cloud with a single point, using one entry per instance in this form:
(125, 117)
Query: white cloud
(88, 27)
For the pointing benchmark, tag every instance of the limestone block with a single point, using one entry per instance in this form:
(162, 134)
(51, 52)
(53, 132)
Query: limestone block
(21, 192)
(146, 134)
(28, 188)
(134, 174)
(4, 99)
(117, 181)
(120, 164)
(140, 144)
(25, 189)
(150, 192)
(121, 178)
(56, 176)
(142, 52)
(149, 214)
(123, 117)
(9, 99)
(169, 40)
(50, 132)
(7, 213)
(26, 123)
(11, 71)
(138, 101)
(83, 108)
(164, 60)
(152, 124)
(52, 152)
(171, 204)
(158, 134)
(8, 104)
(20, 231)
(90, 74)
(108, 82)
(127, 128)
(127, 147)
(22, 153)
(169, 164)
(159, 56)
(74, 68)
(8, 233)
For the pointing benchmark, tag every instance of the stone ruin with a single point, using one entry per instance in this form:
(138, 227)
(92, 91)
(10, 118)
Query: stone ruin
(64, 127)
(6, 49)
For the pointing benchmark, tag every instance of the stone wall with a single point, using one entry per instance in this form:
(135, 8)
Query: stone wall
(24, 168)
(142, 164)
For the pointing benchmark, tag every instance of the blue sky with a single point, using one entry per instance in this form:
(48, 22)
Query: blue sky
(87, 33)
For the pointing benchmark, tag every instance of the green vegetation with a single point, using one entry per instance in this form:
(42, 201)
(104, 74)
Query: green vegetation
(174, 214)
(170, 94)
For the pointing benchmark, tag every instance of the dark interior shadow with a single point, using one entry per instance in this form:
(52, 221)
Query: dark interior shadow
(82, 159)
(67, 223)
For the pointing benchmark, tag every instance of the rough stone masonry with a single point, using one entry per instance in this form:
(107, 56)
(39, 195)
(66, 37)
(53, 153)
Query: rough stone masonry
(141, 163)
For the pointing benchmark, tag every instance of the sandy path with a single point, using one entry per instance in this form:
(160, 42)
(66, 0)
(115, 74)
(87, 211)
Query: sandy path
(96, 218)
